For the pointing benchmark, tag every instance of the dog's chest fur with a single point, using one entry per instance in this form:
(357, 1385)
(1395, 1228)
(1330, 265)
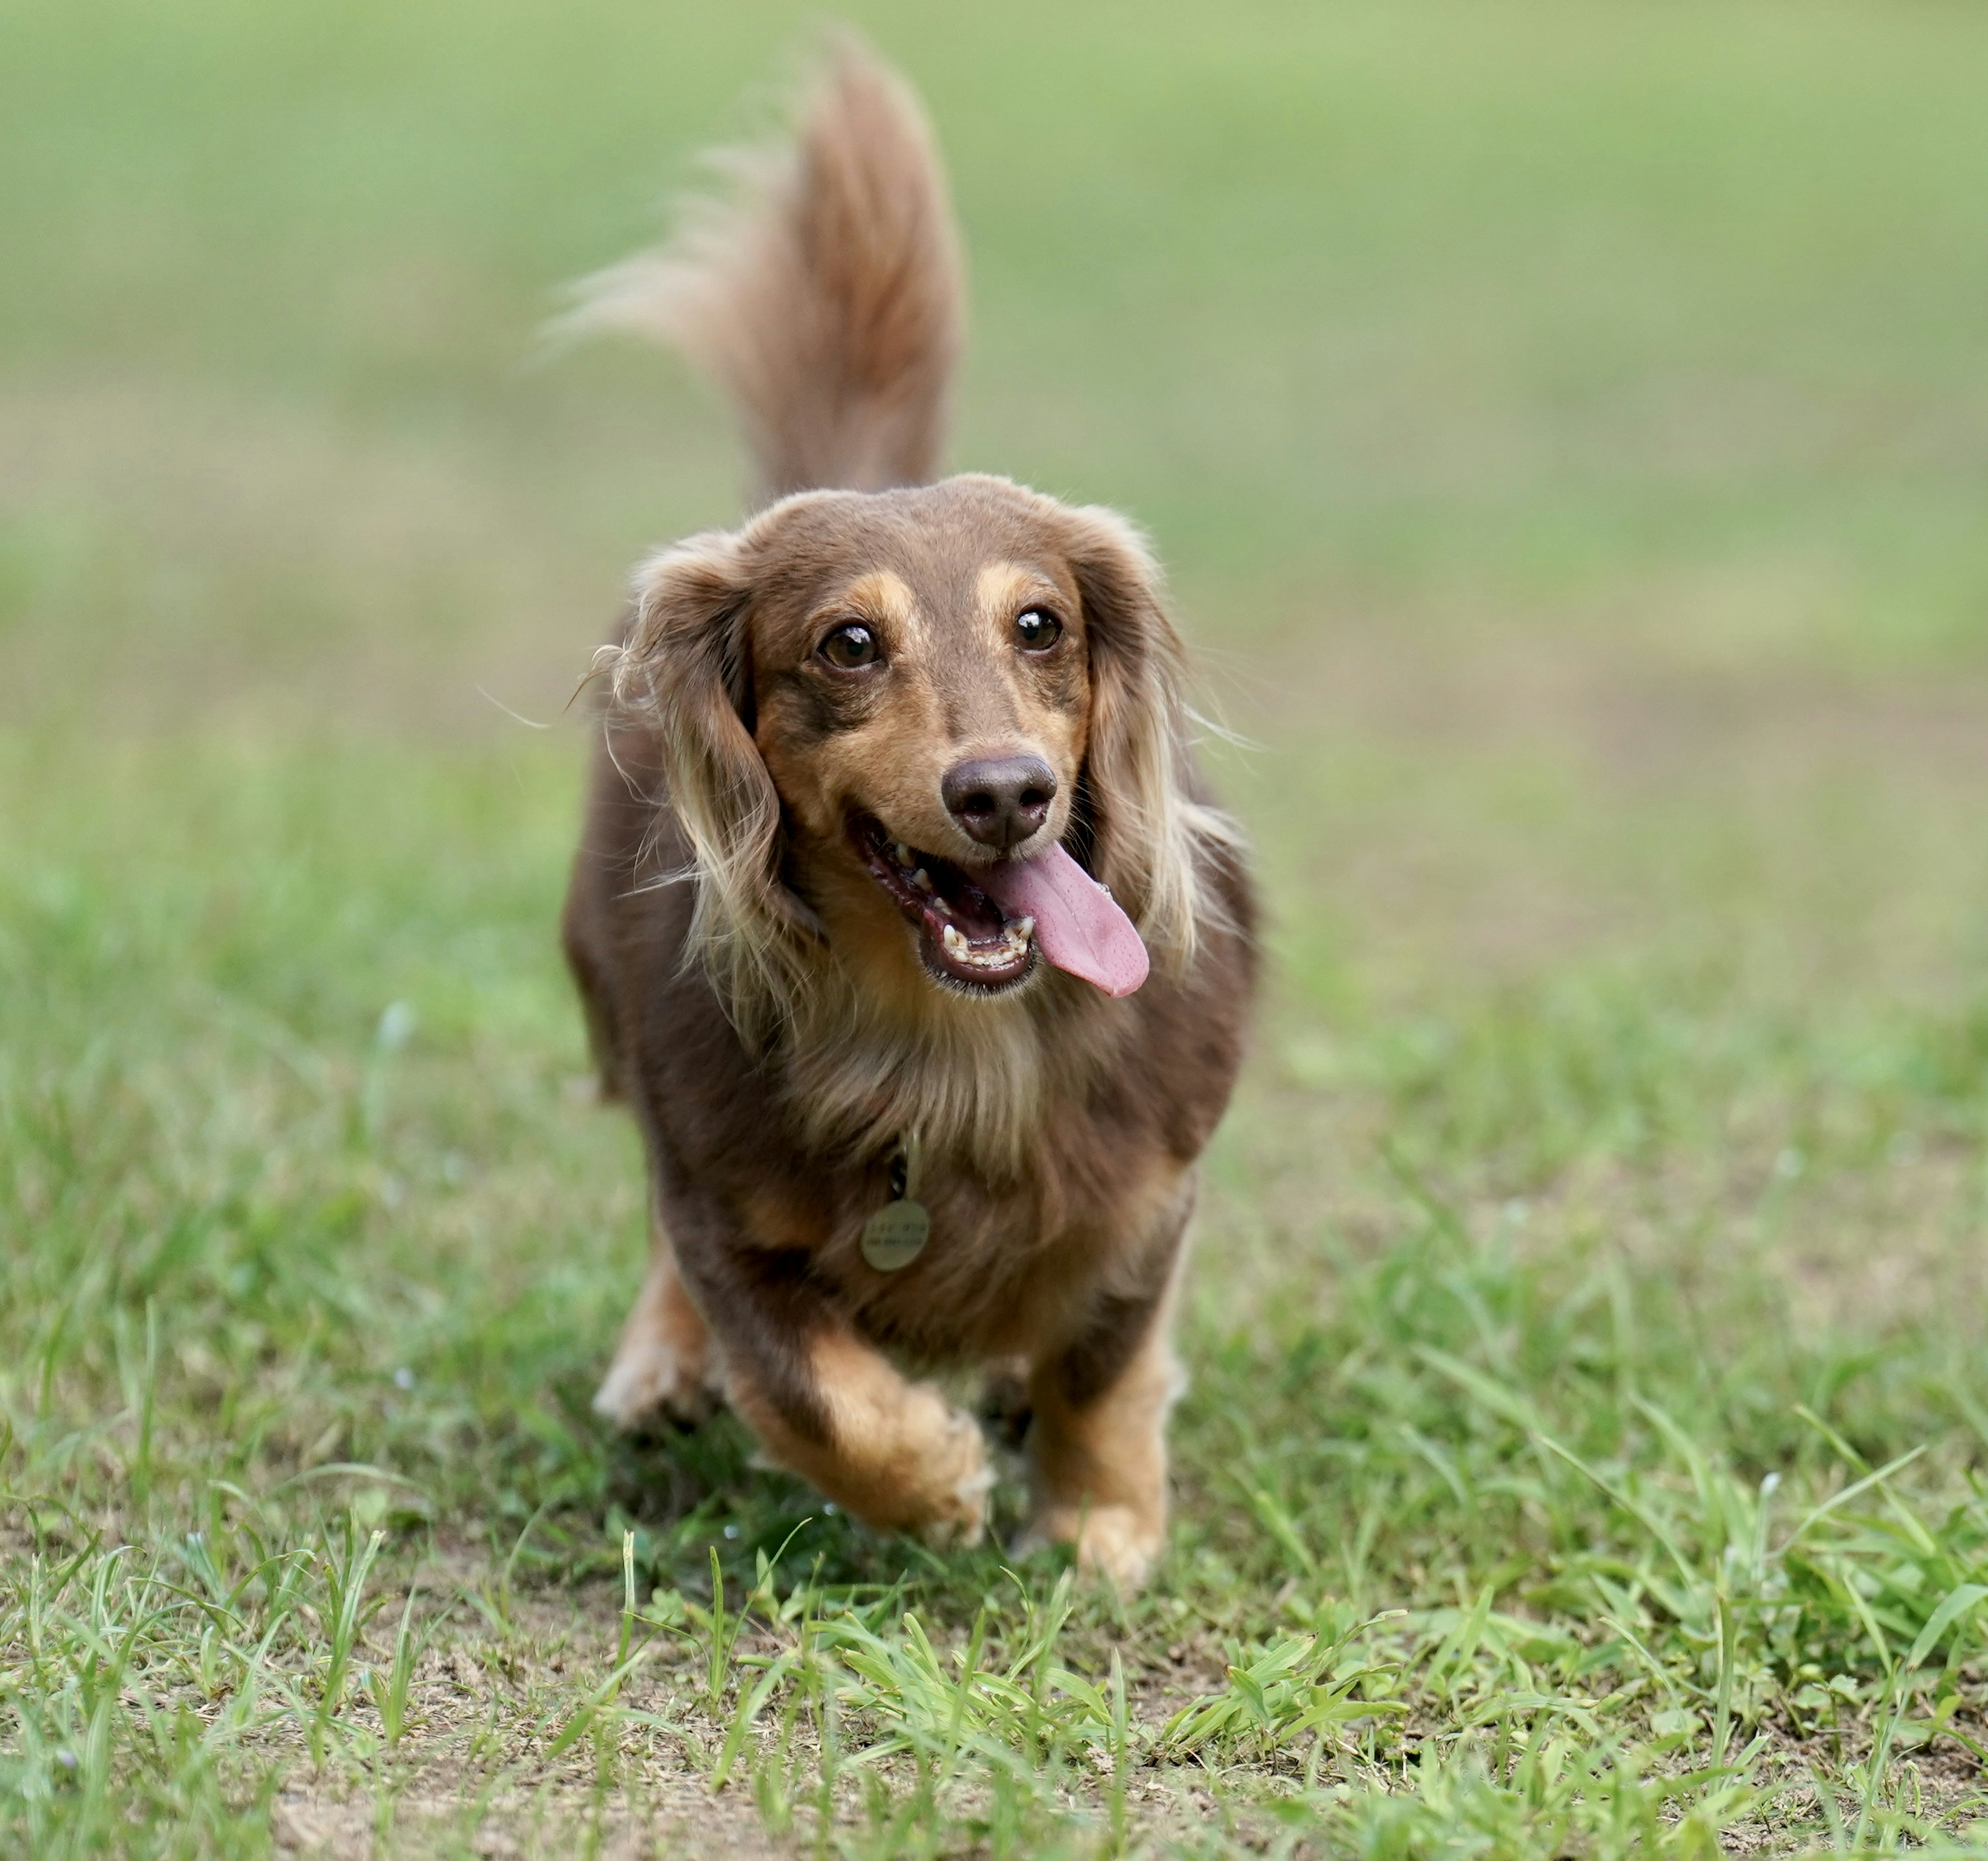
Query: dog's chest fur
(1059, 1131)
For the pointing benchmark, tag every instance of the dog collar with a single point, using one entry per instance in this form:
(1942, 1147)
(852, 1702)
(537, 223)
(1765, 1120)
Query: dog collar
(896, 1235)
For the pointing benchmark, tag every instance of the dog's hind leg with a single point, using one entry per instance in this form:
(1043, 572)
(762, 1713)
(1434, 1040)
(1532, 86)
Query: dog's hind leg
(664, 1365)
(893, 1452)
(1098, 1436)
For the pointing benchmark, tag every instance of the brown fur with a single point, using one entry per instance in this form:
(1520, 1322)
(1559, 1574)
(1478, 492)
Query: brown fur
(759, 1000)
(831, 314)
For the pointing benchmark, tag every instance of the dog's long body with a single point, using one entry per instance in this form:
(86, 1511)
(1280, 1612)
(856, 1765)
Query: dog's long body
(835, 739)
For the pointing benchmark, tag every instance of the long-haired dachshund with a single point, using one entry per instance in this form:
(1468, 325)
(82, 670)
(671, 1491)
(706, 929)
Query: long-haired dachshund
(894, 807)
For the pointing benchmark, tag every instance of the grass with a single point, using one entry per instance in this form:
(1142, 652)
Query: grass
(1565, 427)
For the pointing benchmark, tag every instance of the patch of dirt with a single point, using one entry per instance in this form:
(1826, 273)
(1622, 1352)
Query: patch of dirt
(513, 1824)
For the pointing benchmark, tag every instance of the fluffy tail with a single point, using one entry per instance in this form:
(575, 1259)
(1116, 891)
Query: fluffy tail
(825, 298)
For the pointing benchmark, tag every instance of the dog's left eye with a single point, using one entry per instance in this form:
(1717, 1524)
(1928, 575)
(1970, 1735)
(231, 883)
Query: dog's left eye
(1036, 628)
(849, 646)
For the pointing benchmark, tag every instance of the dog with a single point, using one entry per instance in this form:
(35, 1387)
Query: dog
(902, 919)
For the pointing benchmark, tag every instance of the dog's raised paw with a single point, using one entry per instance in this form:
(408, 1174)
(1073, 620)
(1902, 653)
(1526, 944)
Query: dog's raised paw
(648, 1383)
(958, 1514)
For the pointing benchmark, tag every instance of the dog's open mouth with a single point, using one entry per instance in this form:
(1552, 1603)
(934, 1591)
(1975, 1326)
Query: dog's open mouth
(964, 936)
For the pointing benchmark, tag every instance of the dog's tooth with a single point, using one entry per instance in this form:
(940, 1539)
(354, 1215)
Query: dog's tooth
(922, 879)
(903, 854)
(950, 936)
(1024, 929)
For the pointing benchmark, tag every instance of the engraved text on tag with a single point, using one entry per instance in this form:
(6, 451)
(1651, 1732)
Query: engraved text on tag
(895, 1234)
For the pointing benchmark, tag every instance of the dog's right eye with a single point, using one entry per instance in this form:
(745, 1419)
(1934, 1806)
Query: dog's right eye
(849, 646)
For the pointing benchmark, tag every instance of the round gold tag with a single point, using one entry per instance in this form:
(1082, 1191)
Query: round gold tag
(895, 1235)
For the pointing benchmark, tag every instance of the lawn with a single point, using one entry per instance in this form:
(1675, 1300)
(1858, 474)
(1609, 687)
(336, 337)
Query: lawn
(1567, 427)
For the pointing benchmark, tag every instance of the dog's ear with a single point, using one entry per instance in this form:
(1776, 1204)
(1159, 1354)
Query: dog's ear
(1148, 823)
(685, 670)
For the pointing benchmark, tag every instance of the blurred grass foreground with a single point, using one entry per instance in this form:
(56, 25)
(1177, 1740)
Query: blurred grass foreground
(1567, 429)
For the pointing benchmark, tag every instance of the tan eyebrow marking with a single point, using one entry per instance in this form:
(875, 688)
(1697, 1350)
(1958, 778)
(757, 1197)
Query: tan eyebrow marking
(1003, 590)
(882, 595)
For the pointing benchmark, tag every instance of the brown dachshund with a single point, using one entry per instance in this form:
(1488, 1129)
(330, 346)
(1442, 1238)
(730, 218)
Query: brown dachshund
(902, 919)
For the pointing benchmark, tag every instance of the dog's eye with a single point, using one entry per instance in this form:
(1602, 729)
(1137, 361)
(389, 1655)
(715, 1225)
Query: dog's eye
(1036, 628)
(849, 646)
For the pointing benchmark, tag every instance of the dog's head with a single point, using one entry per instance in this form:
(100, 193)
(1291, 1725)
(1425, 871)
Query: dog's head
(869, 703)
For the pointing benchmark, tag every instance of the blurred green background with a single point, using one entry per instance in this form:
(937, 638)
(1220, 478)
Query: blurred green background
(1644, 326)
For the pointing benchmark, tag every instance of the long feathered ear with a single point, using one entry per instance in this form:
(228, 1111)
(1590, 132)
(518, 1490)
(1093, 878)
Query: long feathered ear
(1151, 829)
(684, 670)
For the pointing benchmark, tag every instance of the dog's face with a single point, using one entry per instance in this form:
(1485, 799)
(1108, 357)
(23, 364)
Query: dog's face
(921, 700)
(869, 700)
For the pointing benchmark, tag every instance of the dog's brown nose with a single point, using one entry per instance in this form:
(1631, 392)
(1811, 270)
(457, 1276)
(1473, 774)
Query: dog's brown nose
(1002, 800)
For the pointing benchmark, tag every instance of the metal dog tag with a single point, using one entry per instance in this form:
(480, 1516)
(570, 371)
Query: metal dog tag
(896, 1235)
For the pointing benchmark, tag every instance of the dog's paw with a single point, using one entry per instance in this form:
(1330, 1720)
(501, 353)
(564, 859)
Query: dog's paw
(1119, 1546)
(647, 1383)
(1116, 1542)
(959, 1481)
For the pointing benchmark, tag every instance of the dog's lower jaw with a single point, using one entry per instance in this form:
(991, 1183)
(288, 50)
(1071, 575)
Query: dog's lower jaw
(966, 944)
(944, 980)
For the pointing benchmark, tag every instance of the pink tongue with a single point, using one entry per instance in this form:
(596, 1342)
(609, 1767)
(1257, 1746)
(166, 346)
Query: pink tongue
(1078, 927)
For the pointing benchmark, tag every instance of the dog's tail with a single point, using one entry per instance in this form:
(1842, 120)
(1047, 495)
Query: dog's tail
(825, 299)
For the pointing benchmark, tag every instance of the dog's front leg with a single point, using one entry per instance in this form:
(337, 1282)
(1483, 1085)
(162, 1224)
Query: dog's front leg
(893, 1452)
(1098, 1440)
(662, 1366)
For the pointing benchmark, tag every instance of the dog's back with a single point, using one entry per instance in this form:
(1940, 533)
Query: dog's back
(826, 299)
